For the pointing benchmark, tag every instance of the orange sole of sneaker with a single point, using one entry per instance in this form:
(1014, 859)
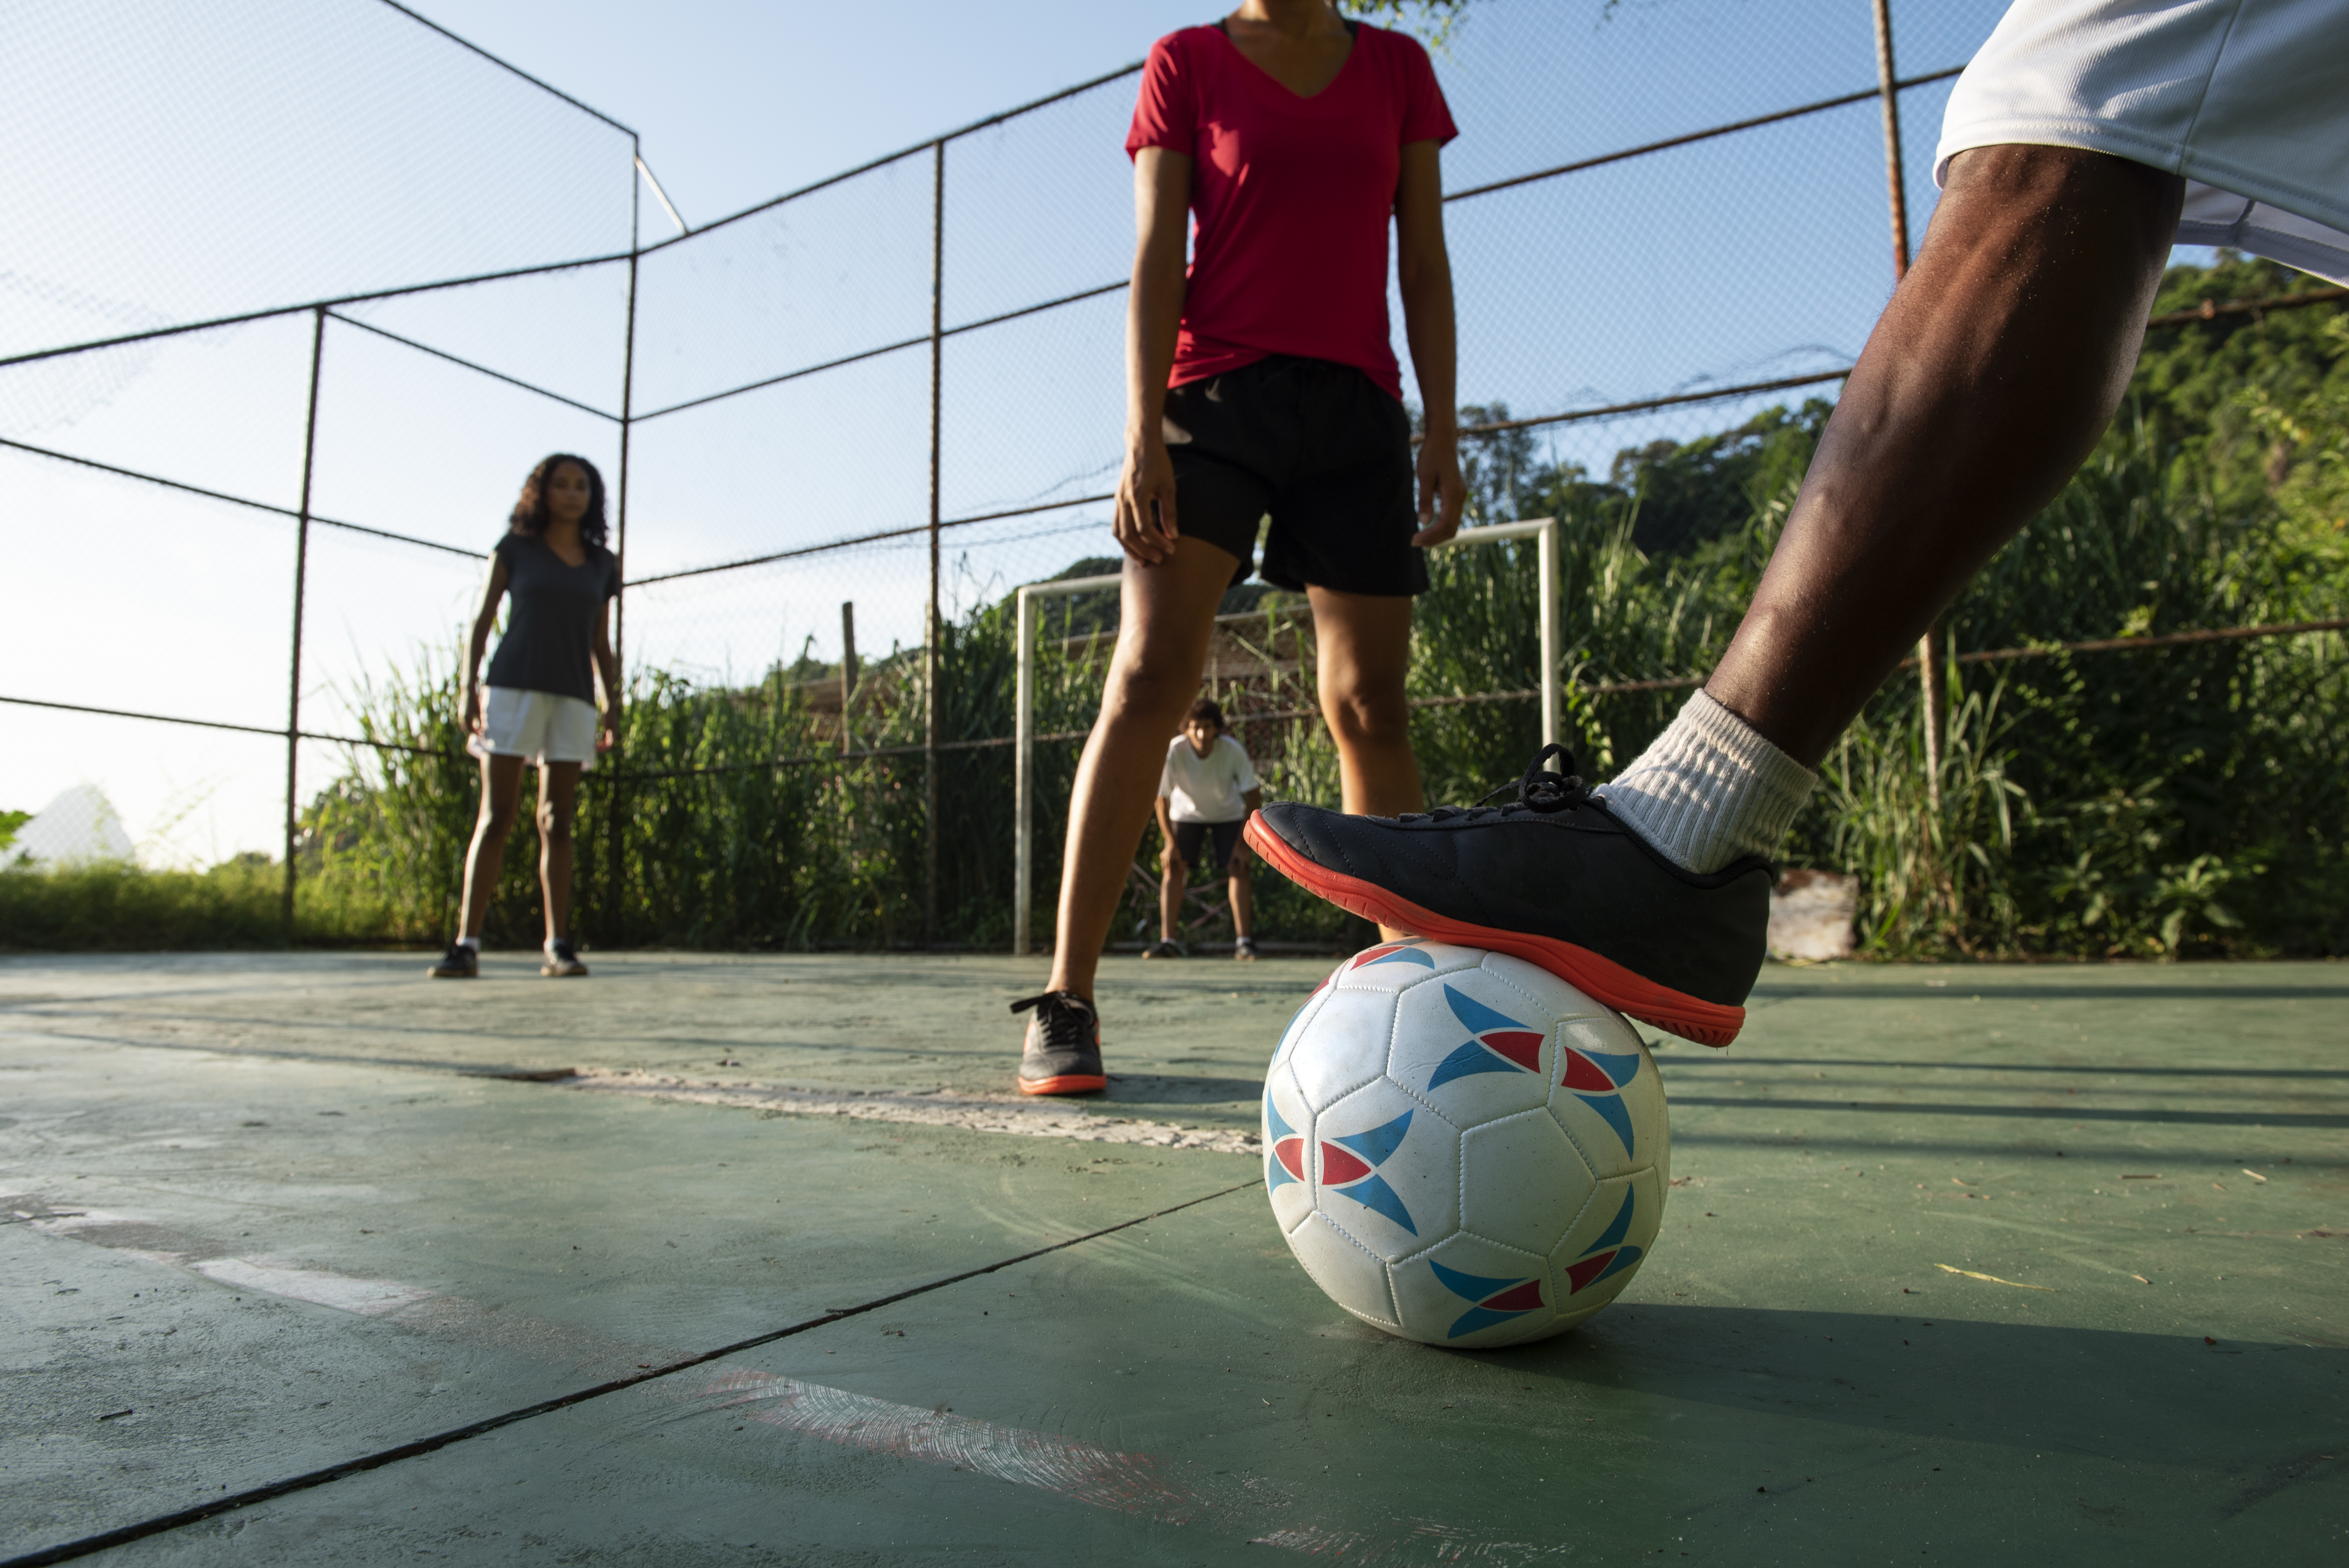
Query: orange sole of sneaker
(1706, 1023)
(1067, 1083)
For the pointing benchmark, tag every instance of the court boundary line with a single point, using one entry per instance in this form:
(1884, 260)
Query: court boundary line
(66, 1552)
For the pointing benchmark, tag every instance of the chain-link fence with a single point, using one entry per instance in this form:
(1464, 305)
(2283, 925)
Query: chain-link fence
(841, 427)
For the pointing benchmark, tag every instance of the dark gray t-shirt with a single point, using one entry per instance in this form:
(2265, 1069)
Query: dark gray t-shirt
(551, 624)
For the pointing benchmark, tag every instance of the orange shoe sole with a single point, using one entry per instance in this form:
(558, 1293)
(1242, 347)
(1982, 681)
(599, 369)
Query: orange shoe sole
(1067, 1083)
(1706, 1023)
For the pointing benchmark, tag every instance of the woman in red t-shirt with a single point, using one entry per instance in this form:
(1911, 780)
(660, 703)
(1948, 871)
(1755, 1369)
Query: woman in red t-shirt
(1263, 382)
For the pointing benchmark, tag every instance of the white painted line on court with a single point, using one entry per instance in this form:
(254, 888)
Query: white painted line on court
(130, 1236)
(971, 1112)
(1168, 1492)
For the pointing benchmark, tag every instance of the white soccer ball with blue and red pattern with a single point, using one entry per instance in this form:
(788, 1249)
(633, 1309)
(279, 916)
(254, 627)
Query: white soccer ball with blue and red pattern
(1462, 1148)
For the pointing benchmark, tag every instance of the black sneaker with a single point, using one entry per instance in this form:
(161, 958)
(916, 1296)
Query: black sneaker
(1161, 949)
(460, 963)
(562, 961)
(1243, 950)
(1063, 1051)
(1551, 878)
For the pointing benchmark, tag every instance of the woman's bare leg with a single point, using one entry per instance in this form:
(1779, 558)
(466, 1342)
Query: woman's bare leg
(501, 793)
(1168, 613)
(1984, 386)
(1362, 645)
(558, 799)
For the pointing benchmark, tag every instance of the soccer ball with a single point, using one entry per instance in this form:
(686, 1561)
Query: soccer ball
(1462, 1148)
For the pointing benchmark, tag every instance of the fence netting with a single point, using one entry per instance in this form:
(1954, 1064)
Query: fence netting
(348, 277)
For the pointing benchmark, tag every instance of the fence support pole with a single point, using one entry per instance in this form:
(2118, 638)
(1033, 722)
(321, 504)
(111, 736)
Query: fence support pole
(615, 857)
(301, 578)
(931, 639)
(1023, 776)
(1545, 558)
(1931, 677)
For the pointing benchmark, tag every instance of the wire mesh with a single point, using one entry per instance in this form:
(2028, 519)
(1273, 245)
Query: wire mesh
(782, 430)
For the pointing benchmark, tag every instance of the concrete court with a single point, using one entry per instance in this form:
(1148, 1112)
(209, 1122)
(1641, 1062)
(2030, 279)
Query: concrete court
(262, 1216)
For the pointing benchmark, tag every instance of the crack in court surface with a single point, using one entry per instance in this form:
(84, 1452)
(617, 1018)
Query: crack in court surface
(1252, 1509)
(422, 1308)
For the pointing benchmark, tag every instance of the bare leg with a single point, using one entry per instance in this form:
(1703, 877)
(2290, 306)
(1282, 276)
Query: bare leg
(558, 795)
(1243, 909)
(1363, 643)
(1984, 386)
(1174, 877)
(1168, 610)
(500, 792)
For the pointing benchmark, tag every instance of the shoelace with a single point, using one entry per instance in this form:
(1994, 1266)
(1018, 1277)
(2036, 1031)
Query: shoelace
(1538, 790)
(1065, 1017)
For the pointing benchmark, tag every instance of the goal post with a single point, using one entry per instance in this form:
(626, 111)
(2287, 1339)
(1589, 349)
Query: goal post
(1023, 746)
(1543, 531)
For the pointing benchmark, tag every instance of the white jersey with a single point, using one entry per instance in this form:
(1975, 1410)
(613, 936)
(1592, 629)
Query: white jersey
(1210, 789)
(2247, 98)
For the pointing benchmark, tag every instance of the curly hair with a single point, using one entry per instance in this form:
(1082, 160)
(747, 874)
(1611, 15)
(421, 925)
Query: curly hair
(530, 510)
(1206, 709)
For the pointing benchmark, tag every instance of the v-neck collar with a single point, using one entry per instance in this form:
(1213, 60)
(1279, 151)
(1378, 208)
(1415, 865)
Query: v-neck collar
(1353, 48)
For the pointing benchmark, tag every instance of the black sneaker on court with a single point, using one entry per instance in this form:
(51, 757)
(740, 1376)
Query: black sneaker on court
(1062, 1055)
(1161, 949)
(460, 963)
(1245, 950)
(562, 961)
(1552, 878)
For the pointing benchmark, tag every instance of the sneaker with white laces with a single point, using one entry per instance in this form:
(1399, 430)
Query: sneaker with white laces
(462, 962)
(1552, 878)
(1062, 1054)
(1243, 950)
(562, 961)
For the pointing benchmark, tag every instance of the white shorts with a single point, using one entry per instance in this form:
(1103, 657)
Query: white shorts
(535, 726)
(2247, 98)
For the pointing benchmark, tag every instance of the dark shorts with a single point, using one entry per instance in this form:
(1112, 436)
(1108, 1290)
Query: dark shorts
(1318, 446)
(1188, 836)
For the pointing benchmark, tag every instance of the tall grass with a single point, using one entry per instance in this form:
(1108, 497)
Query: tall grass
(2179, 800)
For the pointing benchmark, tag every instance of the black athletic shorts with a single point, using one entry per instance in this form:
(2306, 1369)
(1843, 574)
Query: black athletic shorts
(1321, 448)
(1188, 837)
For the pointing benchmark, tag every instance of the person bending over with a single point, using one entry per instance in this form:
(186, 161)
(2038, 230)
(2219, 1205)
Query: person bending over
(1205, 795)
(1263, 382)
(541, 702)
(2084, 139)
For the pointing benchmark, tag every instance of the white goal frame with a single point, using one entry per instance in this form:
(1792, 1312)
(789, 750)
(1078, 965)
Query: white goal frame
(1541, 529)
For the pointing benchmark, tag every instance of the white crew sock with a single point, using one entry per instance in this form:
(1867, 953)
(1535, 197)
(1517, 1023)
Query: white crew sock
(1709, 790)
(472, 941)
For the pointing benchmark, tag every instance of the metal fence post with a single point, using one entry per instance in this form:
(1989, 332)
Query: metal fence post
(1932, 677)
(1023, 776)
(930, 664)
(615, 859)
(301, 578)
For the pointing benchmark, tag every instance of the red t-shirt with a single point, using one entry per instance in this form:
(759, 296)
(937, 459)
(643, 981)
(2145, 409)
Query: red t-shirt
(1293, 196)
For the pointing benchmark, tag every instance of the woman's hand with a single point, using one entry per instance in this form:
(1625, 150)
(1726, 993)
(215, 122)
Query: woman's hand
(1145, 523)
(470, 715)
(1440, 491)
(609, 736)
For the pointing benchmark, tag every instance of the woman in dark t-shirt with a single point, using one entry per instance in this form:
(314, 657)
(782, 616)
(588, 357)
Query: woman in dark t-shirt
(1262, 382)
(540, 706)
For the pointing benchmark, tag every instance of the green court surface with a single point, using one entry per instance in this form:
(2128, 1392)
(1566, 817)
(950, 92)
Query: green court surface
(741, 1261)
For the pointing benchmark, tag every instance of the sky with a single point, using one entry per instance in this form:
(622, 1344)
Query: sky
(283, 150)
